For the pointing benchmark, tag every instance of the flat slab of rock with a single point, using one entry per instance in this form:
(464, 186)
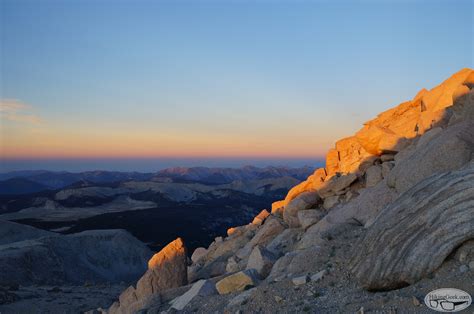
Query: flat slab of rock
(412, 237)
(200, 288)
(238, 281)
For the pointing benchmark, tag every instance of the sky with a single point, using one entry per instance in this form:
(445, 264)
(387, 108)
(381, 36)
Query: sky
(127, 84)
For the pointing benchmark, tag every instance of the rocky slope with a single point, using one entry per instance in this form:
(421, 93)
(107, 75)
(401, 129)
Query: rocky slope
(391, 213)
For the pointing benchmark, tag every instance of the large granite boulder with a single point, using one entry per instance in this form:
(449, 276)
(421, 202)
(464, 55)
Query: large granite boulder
(167, 269)
(414, 235)
(261, 260)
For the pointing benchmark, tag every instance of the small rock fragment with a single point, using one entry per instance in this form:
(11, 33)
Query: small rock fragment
(415, 301)
(301, 280)
(463, 268)
(318, 276)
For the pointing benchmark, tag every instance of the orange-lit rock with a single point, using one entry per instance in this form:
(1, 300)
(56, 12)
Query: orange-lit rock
(260, 218)
(332, 161)
(469, 81)
(312, 183)
(231, 231)
(460, 91)
(277, 207)
(351, 153)
(166, 269)
(441, 96)
(168, 255)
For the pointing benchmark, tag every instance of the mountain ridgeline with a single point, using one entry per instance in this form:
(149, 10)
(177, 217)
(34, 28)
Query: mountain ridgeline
(196, 203)
(41, 180)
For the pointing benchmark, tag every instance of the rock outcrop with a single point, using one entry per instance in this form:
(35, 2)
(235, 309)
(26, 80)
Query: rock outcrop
(167, 269)
(412, 237)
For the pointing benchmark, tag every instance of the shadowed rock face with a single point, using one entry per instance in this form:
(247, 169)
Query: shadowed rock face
(14, 232)
(94, 255)
(414, 235)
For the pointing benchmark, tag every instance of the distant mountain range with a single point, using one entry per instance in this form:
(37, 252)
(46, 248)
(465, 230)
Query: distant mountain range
(24, 182)
(19, 185)
(198, 203)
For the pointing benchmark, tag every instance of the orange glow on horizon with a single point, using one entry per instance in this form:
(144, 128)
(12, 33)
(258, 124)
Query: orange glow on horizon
(51, 143)
(53, 138)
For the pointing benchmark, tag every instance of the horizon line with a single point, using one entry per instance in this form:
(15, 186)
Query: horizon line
(237, 157)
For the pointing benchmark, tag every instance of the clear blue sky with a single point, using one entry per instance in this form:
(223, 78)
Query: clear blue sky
(273, 79)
